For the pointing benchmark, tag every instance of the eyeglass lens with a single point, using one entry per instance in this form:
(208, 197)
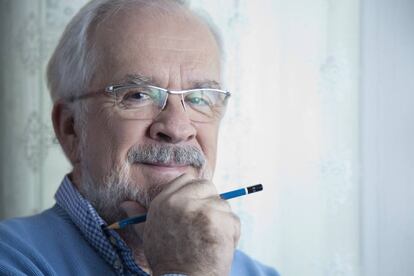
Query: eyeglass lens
(202, 105)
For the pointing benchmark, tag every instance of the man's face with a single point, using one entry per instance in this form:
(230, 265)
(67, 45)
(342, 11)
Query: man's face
(176, 52)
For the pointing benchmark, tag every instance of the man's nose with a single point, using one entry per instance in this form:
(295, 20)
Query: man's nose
(173, 125)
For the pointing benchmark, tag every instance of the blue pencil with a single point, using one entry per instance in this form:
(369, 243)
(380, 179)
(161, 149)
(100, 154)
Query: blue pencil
(228, 195)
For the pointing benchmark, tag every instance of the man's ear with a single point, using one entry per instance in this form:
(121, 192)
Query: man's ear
(66, 131)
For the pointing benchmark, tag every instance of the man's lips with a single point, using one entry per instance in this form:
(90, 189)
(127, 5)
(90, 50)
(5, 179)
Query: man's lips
(166, 165)
(161, 168)
(167, 169)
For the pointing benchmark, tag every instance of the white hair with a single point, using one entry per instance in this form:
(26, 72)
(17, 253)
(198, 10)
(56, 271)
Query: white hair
(73, 63)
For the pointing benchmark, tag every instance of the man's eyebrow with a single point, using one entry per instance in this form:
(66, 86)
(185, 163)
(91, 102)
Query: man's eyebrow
(143, 80)
(206, 84)
(137, 79)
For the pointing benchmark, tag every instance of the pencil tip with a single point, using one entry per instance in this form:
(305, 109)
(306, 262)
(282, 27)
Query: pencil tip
(113, 226)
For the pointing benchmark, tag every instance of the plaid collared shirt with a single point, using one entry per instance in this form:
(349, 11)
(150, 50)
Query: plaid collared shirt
(110, 246)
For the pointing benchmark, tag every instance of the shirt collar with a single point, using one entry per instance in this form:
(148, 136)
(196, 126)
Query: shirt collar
(91, 225)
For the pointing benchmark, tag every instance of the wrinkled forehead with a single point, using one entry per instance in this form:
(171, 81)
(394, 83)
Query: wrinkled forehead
(152, 34)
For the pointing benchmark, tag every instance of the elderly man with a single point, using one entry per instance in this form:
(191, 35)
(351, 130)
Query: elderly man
(137, 107)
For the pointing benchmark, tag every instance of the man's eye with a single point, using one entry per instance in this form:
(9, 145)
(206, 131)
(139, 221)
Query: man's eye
(136, 96)
(200, 100)
(197, 101)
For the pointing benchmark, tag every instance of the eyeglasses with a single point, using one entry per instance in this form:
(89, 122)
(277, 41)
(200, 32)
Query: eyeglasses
(147, 101)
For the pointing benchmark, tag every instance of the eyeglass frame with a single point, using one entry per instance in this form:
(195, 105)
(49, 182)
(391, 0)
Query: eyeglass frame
(111, 90)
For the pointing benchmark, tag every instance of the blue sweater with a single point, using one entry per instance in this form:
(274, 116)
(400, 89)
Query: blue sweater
(51, 244)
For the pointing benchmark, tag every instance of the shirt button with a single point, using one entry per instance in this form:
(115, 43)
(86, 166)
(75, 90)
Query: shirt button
(112, 240)
(117, 264)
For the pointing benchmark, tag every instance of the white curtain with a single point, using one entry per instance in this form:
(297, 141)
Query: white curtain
(32, 162)
(387, 135)
(292, 125)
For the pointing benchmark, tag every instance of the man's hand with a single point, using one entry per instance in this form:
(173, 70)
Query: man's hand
(190, 230)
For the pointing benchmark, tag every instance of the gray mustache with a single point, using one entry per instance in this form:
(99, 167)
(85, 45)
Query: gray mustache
(167, 154)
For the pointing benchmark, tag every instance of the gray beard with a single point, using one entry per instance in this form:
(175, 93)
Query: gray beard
(116, 187)
(106, 195)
